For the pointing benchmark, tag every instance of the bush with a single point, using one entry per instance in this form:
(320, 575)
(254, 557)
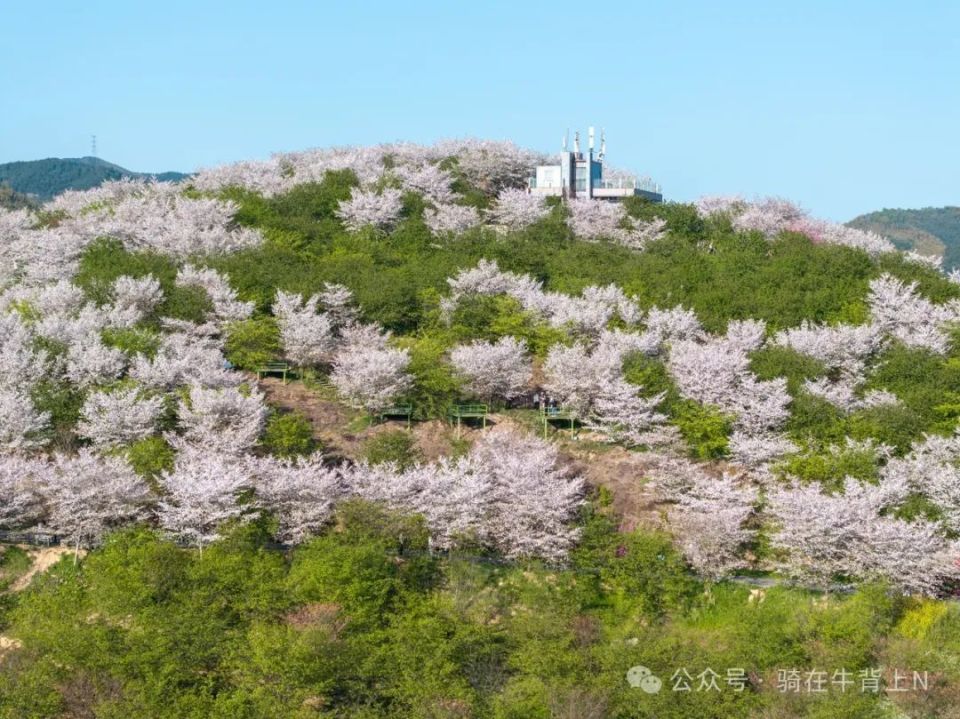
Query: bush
(132, 341)
(189, 303)
(651, 374)
(830, 468)
(354, 567)
(64, 402)
(289, 434)
(773, 362)
(894, 425)
(705, 429)
(252, 343)
(815, 419)
(150, 456)
(435, 384)
(924, 381)
(645, 570)
(396, 446)
(103, 261)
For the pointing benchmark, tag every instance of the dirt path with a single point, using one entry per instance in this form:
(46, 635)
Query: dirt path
(41, 560)
(619, 470)
(624, 474)
(8, 644)
(327, 416)
(331, 421)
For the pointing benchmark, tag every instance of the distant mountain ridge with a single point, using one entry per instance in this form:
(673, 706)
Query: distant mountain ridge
(929, 231)
(46, 178)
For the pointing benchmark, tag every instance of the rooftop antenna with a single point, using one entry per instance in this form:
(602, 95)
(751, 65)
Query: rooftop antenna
(576, 142)
(93, 145)
(565, 134)
(590, 138)
(603, 144)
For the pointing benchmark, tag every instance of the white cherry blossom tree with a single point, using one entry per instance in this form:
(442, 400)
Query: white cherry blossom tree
(370, 377)
(307, 335)
(111, 419)
(493, 370)
(451, 219)
(201, 494)
(517, 209)
(225, 420)
(369, 209)
(302, 493)
(87, 495)
(21, 480)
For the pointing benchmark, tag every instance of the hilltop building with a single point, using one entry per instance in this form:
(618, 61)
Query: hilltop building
(581, 175)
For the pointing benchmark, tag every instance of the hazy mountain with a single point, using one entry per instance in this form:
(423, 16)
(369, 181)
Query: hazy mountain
(46, 178)
(930, 231)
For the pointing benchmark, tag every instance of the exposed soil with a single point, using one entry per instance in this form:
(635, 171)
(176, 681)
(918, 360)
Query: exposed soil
(8, 644)
(326, 416)
(619, 470)
(42, 558)
(624, 474)
(333, 423)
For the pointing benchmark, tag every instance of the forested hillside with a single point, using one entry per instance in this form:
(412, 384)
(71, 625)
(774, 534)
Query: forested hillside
(932, 231)
(44, 179)
(527, 459)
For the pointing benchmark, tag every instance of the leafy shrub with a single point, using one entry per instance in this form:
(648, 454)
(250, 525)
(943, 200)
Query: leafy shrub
(435, 385)
(289, 434)
(920, 617)
(186, 302)
(132, 341)
(650, 374)
(397, 446)
(252, 343)
(63, 401)
(815, 419)
(830, 468)
(894, 425)
(353, 567)
(646, 568)
(150, 456)
(705, 429)
(682, 219)
(925, 382)
(103, 261)
(772, 362)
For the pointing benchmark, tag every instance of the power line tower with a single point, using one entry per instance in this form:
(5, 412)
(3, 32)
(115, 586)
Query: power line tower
(93, 145)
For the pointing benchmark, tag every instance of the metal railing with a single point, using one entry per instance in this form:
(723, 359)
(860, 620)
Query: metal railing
(620, 183)
(628, 183)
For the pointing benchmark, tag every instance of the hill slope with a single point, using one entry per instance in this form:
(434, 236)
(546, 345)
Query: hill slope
(51, 176)
(745, 394)
(929, 231)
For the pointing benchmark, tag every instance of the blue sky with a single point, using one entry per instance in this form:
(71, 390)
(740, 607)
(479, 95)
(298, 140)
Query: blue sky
(844, 107)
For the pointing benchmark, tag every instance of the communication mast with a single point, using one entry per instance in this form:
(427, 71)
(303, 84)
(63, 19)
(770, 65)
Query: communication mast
(93, 145)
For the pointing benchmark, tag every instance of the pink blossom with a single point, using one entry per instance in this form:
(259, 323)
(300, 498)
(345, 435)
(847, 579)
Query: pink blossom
(370, 377)
(307, 336)
(302, 493)
(493, 370)
(451, 219)
(517, 209)
(201, 494)
(222, 420)
(119, 418)
(365, 209)
(87, 495)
